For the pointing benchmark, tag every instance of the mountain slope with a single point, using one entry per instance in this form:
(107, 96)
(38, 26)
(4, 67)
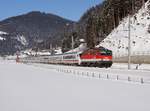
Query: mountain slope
(31, 29)
(98, 22)
(117, 40)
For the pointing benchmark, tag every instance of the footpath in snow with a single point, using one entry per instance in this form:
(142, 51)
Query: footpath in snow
(29, 88)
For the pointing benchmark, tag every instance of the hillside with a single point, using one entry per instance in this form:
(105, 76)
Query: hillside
(117, 40)
(98, 22)
(34, 29)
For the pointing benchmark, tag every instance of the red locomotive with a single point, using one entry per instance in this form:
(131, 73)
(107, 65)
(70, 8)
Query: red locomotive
(97, 57)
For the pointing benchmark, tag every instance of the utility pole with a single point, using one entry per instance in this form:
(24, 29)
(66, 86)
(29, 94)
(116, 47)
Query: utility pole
(51, 48)
(72, 37)
(129, 44)
(72, 42)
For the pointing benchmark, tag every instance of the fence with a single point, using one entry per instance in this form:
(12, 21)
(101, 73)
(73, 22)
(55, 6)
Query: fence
(99, 75)
(96, 74)
(134, 53)
(136, 57)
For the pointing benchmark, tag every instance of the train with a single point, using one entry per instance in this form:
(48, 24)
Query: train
(94, 57)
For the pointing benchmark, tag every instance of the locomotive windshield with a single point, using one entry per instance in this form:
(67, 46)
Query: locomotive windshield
(105, 51)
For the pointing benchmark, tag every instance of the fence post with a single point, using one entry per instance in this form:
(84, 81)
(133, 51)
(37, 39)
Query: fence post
(82, 73)
(107, 76)
(99, 75)
(74, 72)
(142, 81)
(93, 74)
(129, 79)
(87, 73)
(117, 77)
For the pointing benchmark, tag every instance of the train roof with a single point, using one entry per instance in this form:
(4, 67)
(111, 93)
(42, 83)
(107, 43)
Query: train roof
(66, 53)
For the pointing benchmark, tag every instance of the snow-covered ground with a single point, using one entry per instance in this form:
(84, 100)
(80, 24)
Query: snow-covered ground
(133, 66)
(22, 40)
(2, 33)
(29, 88)
(117, 40)
(1, 38)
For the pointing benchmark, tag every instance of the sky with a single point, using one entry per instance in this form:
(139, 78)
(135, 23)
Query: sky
(70, 9)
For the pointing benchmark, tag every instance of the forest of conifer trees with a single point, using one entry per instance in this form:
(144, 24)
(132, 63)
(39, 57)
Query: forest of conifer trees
(97, 22)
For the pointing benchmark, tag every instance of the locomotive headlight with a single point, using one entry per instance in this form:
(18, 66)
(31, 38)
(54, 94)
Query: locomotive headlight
(106, 59)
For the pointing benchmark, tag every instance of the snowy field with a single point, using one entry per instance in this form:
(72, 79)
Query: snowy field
(43, 88)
